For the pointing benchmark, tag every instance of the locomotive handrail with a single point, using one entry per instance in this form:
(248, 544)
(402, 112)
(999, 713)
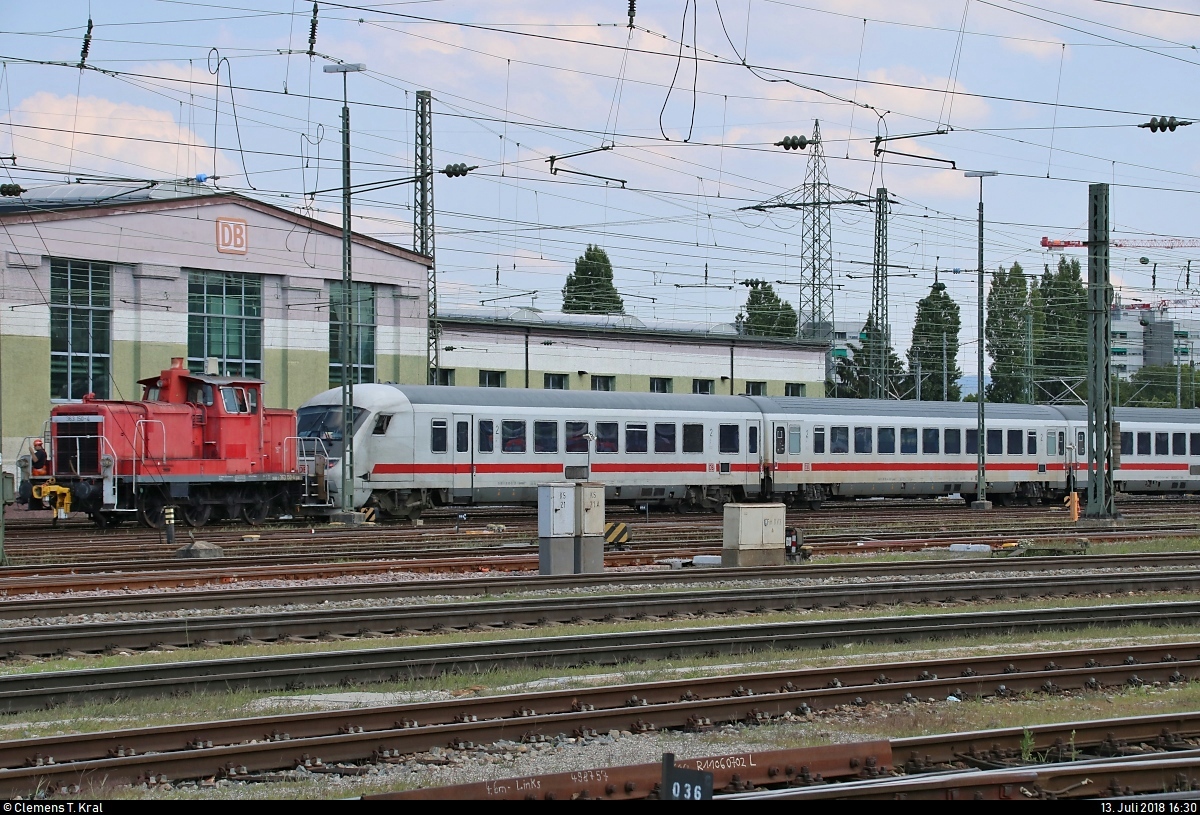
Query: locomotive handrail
(138, 425)
(302, 441)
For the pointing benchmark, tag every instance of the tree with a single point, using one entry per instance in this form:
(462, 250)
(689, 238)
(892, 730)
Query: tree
(1155, 386)
(766, 314)
(1007, 308)
(937, 319)
(590, 289)
(1060, 350)
(852, 374)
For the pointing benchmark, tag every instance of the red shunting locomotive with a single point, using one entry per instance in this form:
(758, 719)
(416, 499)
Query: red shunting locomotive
(203, 444)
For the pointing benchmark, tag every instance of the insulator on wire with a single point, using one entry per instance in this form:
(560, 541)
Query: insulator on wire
(87, 44)
(632, 11)
(456, 170)
(1164, 123)
(11, 190)
(792, 143)
(312, 32)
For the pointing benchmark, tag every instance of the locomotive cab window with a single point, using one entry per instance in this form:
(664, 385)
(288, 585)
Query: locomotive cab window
(818, 440)
(1179, 444)
(1126, 443)
(437, 436)
(512, 436)
(730, 441)
(839, 440)
(887, 440)
(635, 438)
(252, 399)
(608, 437)
(576, 437)
(664, 438)
(908, 440)
(487, 439)
(693, 438)
(462, 437)
(382, 422)
(953, 438)
(1143, 440)
(545, 437)
(862, 439)
(234, 400)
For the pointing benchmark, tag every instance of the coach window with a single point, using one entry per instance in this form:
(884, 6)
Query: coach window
(794, 439)
(953, 441)
(382, 422)
(930, 441)
(462, 437)
(1062, 443)
(908, 440)
(635, 438)
(730, 440)
(545, 437)
(752, 439)
(1081, 443)
(1127, 443)
(486, 438)
(512, 436)
(664, 438)
(1015, 447)
(607, 437)
(1143, 444)
(780, 440)
(1179, 444)
(1196, 444)
(995, 442)
(576, 443)
(972, 442)
(437, 436)
(818, 440)
(693, 438)
(1031, 442)
(887, 440)
(1162, 444)
(839, 440)
(862, 439)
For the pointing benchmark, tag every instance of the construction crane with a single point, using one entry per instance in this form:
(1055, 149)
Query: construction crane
(1149, 243)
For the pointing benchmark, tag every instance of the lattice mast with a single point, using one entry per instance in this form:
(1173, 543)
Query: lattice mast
(880, 327)
(816, 258)
(423, 219)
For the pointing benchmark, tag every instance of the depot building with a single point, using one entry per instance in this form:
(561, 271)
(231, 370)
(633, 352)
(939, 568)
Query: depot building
(101, 285)
(104, 284)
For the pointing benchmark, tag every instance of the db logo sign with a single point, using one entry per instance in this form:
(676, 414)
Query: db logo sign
(232, 236)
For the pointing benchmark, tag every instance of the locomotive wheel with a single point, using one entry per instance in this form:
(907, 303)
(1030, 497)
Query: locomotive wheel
(150, 514)
(196, 515)
(256, 512)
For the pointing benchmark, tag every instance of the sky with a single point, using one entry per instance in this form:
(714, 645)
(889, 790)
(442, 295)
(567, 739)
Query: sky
(687, 104)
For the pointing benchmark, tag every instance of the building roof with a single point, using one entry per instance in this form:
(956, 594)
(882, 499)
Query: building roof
(59, 202)
(530, 317)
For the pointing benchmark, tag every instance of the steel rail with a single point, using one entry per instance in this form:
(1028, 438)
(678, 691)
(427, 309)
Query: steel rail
(188, 631)
(23, 691)
(239, 747)
(67, 604)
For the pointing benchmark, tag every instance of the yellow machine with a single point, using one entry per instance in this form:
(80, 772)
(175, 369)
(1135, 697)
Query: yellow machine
(57, 497)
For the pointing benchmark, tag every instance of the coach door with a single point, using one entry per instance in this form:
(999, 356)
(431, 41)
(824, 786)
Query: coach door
(463, 478)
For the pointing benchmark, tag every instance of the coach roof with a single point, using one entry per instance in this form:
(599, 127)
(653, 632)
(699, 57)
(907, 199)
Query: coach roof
(849, 408)
(605, 400)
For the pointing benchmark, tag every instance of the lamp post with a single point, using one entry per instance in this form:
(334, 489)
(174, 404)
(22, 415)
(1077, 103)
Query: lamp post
(347, 315)
(981, 501)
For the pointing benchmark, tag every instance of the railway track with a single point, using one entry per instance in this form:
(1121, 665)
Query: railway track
(33, 690)
(169, 591)
(244, 626)
(242, 748)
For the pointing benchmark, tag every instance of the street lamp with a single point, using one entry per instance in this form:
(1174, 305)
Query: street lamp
(347, 299)
(981, 501)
